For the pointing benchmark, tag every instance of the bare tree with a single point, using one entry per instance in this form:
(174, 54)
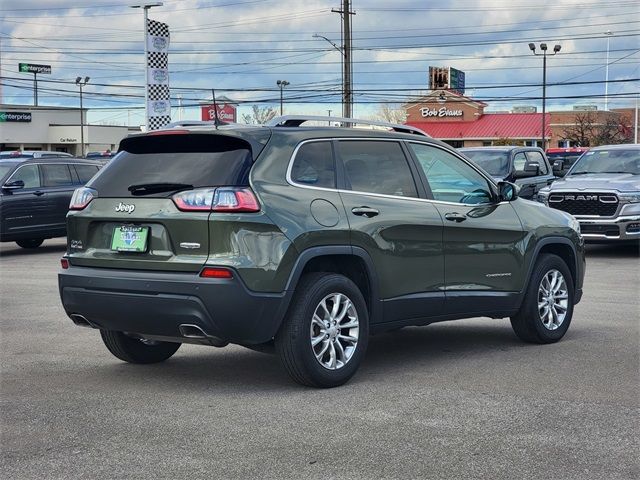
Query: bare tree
(259, 115)
(588, 132)
(392, 113)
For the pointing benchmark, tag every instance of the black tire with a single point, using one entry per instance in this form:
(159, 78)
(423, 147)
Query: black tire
(293, 341)
(133, 350)
(30, 243)
(527, 323)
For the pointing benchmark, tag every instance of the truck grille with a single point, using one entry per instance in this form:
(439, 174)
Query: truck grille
(580, 203)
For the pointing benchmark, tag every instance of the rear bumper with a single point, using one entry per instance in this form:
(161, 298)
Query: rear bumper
(624, 228)
(156, 304)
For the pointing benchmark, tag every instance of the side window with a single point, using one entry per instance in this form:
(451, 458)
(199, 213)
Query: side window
(56, 175)
(28, 174)
(450, 178)
(536, 157)
(519, 161)
(314, 165)
(377, 167)
(85, 172)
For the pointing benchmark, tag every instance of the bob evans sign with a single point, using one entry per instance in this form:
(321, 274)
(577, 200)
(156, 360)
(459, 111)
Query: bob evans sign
(226, 113)
(440, 112)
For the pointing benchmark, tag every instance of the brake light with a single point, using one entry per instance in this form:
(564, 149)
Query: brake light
(216, 272)
(231, 199)
(223, 199)
(64, 263)
(167, 132)
(81, 198)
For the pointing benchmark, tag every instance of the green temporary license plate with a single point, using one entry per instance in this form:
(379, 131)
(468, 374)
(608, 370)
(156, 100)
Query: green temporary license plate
(129, 238)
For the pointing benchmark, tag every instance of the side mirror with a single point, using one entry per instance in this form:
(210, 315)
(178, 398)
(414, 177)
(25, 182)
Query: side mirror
(507, 191)
(558, 166)
(532, 168)
(15, 185)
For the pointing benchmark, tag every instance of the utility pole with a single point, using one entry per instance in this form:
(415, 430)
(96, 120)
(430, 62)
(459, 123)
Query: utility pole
(81, 83)
(281, 84)
(543, 47)
(608, 33)
(347, 69)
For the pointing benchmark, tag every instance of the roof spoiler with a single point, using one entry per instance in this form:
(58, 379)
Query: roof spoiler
(298, 120)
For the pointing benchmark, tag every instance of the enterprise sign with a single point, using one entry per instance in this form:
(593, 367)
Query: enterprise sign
(15, 116)
(440, 112)
(33, 68)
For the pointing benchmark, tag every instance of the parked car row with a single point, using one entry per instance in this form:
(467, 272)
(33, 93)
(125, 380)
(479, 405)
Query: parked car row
(35, 193)
(599, 186)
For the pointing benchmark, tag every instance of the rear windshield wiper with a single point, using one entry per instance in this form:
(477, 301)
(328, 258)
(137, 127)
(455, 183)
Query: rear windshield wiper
(149, 188)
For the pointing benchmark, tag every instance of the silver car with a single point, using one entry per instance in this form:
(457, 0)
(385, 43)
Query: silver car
(602, 190)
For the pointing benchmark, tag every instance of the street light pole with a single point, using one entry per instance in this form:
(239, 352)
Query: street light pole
(281, 84)
(543, 47)
(608, 33)
(145, 8)
(81, 83)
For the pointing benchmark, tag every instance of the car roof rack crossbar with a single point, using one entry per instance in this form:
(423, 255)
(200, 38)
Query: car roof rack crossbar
(298, 120)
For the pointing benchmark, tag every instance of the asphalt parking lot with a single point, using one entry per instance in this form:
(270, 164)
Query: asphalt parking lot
(452, 400)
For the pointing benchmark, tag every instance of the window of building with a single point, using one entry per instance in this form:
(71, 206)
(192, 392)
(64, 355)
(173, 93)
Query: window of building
(28, 174)
(56, 175)
(455, 143)
(487, 144)
(450, 178)
(314, 165)
(377, 167)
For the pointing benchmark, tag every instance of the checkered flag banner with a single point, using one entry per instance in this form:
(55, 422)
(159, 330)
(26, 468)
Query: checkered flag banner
(158, 94)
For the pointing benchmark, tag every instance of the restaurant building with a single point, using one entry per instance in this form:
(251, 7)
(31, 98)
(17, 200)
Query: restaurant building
(462, 121)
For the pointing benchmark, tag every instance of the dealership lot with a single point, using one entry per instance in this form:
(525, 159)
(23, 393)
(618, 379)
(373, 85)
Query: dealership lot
(462, 399)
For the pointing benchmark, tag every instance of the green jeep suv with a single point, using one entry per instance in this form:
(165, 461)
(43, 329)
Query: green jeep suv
(306, 240)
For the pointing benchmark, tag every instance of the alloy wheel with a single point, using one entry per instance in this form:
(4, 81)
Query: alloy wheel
(553, 299)
(334, 331)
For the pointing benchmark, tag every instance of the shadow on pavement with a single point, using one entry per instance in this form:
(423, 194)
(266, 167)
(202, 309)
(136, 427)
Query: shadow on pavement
(388, 353)
(13, 250)
(624, 250)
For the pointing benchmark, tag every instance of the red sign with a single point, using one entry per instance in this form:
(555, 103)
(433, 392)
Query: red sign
(226, 113)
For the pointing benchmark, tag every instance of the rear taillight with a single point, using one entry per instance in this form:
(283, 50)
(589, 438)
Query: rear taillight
(194, 200)
(223, 199)
(64, 263)
(81, 198)
(235, 200)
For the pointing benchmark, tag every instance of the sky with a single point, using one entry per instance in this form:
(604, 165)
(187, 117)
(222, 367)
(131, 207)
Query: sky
(241, 48)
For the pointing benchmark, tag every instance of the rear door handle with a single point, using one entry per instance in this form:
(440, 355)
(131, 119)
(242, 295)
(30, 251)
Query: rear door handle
(455, 217)
(38, 193)
(365, 211)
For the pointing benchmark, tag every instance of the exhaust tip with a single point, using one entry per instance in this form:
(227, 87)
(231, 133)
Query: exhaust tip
(80, 320)
(195, 332)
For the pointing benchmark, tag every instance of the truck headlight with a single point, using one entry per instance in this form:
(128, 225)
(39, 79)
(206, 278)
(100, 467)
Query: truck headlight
(543, 196)
(630, 197)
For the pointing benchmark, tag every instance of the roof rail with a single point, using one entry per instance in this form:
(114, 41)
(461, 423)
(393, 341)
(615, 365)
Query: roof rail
(193, 123)
(297, 120)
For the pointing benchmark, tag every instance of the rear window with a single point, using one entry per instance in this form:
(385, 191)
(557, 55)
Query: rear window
(199, 160)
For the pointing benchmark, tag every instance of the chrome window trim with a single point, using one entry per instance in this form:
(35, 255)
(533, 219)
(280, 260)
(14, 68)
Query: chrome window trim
(377, 139)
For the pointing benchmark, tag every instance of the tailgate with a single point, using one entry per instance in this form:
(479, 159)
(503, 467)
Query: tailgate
(175, 240)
